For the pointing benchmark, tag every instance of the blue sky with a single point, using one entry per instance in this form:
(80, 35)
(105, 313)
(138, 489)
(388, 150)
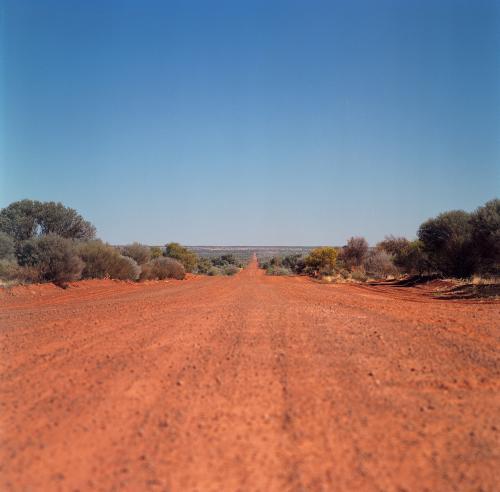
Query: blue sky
(251, 122)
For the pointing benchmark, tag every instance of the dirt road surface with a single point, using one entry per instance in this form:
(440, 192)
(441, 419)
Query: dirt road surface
(249, 383)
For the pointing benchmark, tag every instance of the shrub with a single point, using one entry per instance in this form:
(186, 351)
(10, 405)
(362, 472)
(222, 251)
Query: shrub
(354, 252)
(228, 259)
(162, 268)
(27, 219)
(7, 247)
(53, 257)
(408, 256)
(138, 252)
(102, 261)
(230, 269)
(359, 276)
(321, 261)
(214, 271)
(279, 271)
(182, 254)
(295, 263)
(485, 222)
(447, 239)
(11, 271)
(378, 264)
(203, 266)
(155, 252)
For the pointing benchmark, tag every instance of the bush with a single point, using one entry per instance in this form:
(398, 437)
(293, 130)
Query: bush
(295, 263)
(182, 254)
(408, 256)
(138, 252)
(279, 271)
(104, 261)
(214, 271)
(321, 261)
(447, 240)
(53, 257)
(378, 264)
(359, 276)
(354, 252)
(7, 247)
(163, 268)
(27, 219)
(485, 222)
(155, 252)
(12, 272)
(230, 269)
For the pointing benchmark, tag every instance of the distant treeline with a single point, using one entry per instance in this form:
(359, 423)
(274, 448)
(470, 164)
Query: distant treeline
(48, 242)
(453, 244)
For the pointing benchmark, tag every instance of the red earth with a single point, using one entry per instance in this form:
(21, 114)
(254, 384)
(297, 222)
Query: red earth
(247, 383)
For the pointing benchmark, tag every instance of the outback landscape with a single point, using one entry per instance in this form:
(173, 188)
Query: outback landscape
(250, 246)
(225, 369)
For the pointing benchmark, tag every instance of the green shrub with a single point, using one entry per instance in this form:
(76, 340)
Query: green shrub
(214, 271)
(104, 261)
(321, 261)
(155, 252)
(7, 247)
(163, 268)
(448, 242)
(485, 222)
(203, 266)
(138, 252)
(408, 256)
(230, 269)
(53, 257)
(279, 271)
(10, 271)
(182, 254)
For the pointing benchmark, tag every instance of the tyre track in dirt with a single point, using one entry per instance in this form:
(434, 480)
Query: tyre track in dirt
(247, 383)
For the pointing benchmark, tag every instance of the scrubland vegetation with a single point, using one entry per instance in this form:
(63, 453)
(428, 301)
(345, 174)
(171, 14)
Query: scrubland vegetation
(453, 244)
(48, 242)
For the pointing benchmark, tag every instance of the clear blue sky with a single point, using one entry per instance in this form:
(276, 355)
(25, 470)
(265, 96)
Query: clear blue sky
(251, 122)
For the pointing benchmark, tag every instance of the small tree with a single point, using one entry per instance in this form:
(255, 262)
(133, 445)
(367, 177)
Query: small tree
(485, 223)
(27, 219)
(138, 252)
(408, 256)
(321, 261)
(54, 257)
(182, 254)
(354, 252)
(447, 240)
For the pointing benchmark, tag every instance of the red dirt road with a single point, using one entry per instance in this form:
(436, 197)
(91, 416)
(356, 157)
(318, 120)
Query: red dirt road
(247, 383)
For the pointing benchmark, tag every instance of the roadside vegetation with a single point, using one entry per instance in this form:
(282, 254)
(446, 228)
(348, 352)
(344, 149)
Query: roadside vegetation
(48, 242)
(454, 244)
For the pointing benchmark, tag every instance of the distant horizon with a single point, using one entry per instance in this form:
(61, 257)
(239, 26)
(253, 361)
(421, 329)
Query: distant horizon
(254, 121)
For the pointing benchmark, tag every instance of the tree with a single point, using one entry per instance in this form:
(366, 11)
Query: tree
(27, 219)
(182, 254)
(485, 223)
(322, 260)
(354, 252)
(54, 257)
(447, 240)
(378, 264)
